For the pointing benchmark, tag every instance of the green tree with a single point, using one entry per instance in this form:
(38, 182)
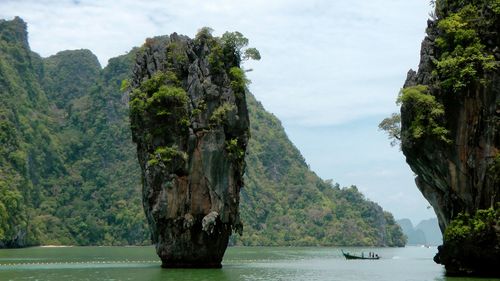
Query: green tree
(392, 126)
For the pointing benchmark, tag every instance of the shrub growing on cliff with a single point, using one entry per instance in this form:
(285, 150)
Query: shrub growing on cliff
(235, 43)
(176, 55)
(220, 113)
(235, 151)
(155, 96)
(167, 95)
(462, 57)
(238, 80)
(251, 53)
(427, 114)
(470, 243)
(226, 51)
(494, 169)
(165, 154)
(392, 126)
(477, 229)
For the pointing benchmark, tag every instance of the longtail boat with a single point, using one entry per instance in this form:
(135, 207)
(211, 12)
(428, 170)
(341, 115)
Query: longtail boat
(362, 257)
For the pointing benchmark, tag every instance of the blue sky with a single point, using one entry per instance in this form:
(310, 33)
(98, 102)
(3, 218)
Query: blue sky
(330, 70)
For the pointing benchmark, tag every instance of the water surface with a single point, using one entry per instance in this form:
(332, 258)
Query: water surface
(240, 263)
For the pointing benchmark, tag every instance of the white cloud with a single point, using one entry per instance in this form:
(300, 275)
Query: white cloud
(317, 55)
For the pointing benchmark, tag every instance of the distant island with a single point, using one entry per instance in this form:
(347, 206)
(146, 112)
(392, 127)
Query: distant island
(426, 232)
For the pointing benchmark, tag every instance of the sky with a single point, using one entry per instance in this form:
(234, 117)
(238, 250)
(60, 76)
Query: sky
(330, 70)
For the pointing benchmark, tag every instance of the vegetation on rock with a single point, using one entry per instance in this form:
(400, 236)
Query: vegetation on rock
(69, 174)
(478, 227)
(427, 114)
(450, 130)
(468, 241)
(463, 58)
(65, 177)
(192, 180)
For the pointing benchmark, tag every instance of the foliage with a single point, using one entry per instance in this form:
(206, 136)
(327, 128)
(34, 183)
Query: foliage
(234, 149)
(393, 231)
(392, 126)
(235, 43)
(226, 51)
(251, 53)
(494, 169)
(61, 83)
(470, 242)
(167, 95)
(216, 60)
(463, 58)
(154, 96)
(446, 7)
(238, 80)
(176, 54)
(69, 174)
(478, 228)
(204, 33)
(427, 114)
(165, 154)
(28, 147)
(219, 115)
(464, 34)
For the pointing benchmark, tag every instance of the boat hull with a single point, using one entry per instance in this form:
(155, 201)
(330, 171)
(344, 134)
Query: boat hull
(354, 257)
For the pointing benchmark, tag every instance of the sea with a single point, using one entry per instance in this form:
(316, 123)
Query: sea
(240, 263)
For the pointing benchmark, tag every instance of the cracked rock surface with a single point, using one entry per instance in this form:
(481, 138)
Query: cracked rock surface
(190, 124)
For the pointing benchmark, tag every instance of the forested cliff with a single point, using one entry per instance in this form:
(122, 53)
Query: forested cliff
(450, 131)
(69, 174)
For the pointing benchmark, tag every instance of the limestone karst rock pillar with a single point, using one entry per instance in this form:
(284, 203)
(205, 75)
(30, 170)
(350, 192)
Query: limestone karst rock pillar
(189, 120)
(450, 131)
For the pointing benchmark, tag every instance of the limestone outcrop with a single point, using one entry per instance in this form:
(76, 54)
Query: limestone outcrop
(450, 121)
(189, 120)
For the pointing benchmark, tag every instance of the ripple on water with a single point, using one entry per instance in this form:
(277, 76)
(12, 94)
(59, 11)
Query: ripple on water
(77, 265)
(240, 264)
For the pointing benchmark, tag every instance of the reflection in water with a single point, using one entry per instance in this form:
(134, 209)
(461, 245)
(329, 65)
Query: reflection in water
(190, 274)
(445, 278)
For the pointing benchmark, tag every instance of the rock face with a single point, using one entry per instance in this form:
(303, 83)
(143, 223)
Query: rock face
(450, 117)
(189, 120)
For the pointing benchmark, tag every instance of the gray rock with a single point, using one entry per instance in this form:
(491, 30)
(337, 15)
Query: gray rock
(191, 199)
(209, 222)
(457, 177)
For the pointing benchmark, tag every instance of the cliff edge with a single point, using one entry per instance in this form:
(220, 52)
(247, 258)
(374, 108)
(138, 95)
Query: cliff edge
(450, 131)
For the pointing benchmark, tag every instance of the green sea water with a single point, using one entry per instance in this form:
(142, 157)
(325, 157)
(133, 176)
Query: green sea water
(240, 263)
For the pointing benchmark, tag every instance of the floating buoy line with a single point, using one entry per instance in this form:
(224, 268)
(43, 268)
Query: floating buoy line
(76, 263)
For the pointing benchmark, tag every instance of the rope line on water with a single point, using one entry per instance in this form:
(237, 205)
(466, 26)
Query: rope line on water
(74, 262)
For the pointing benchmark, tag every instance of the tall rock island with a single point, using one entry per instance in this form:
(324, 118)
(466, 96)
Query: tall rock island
(190, 122)
(450, 131)
(69, 173)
